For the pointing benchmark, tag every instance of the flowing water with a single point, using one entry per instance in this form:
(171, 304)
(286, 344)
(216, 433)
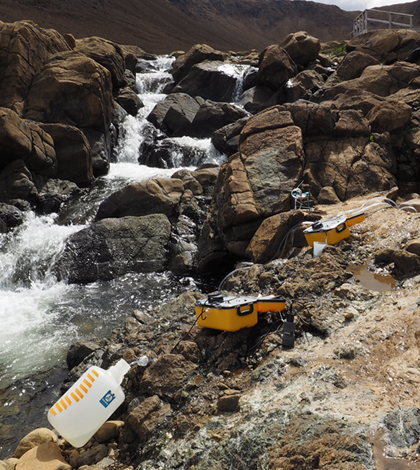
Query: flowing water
(41, 317)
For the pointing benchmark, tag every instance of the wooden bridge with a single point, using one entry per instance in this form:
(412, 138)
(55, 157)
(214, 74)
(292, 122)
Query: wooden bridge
(370, 20)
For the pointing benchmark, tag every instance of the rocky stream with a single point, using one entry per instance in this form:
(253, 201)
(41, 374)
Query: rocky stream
(133, 186)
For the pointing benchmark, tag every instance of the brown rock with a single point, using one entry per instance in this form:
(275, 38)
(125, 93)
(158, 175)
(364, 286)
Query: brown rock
(25, 140)
(303, 85)
(24, 49)
(16, 182)
(92, 455)
(74, 162)
(198, 53)
(268, 240)
(384, 256)
(46, 456)
(107, 53)
(33, 439)
(189, 350)
(327, 195)
(389, 116)
(407, 263)
(160, 195)
(302, 47)
(353, 65)
(166, 376)
(386, 45)
(108, 431)
(275, 68)
(228, 402)
(147, 416)
(71, 89)
(273, 162)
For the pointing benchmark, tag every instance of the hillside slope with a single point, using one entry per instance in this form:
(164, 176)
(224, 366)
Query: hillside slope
(162, 26)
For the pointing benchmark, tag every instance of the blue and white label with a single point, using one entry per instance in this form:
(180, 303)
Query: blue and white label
(107, 399)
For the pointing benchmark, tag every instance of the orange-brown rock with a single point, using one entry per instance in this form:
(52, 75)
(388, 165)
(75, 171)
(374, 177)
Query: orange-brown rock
(24, 49)
(107, 53)
(71, 89)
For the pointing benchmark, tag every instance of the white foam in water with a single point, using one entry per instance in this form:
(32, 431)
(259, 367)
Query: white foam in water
(133, 172)
(25, 302)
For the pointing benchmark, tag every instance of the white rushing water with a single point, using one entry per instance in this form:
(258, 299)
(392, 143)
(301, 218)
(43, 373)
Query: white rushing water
(41, 317)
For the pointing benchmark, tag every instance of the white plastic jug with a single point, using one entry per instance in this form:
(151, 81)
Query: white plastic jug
(82, 410)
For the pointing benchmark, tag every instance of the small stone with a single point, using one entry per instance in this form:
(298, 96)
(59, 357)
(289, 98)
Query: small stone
(46, 456)
(33, 439)
(108, 431)
(228, 403)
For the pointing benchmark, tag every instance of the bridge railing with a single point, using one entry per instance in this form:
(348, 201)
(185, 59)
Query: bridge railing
(368, 19)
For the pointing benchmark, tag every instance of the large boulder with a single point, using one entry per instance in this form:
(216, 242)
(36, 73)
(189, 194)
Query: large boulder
(179, 114)
(352, 66)
(16, 182)
(212, 116)
(24, 49)
(175, 114)
(269, 241)
(112, 247)
(160, 195)
(301, 47)
(276, 67)
(303, 85)
(209, 80)
(198, 53)
(72, 89)
(353, 166)
(107, 53)
(226, 138)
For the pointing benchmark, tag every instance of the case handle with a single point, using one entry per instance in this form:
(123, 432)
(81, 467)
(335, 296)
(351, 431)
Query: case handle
(244, 313)
(343, 227)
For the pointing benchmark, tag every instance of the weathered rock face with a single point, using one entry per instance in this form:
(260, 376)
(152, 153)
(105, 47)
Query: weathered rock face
(71, 89)
(107, 53)
(24, 49)
(73, 153)
(25, 140)
(167, 376)
(112, 247)
(387, 46)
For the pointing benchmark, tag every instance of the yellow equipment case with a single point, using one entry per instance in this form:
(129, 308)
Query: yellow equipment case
(330, 231)
(355, 219)
(270, 303)
(229, 313)
(226, 313)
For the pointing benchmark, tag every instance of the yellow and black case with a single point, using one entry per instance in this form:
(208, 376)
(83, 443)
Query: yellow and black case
(226, 313)
(331, 231)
